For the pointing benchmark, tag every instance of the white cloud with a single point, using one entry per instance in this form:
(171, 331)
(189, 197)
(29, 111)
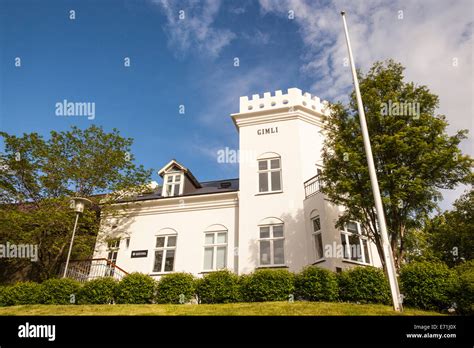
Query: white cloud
(195, 31)
(430, 37)
(237, 10)
(257, 37)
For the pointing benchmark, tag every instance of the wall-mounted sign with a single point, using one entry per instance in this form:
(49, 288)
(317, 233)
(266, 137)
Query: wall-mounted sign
(271, 130)
(139, 253)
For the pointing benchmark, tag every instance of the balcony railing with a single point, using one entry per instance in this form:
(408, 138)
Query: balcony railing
(85, 270)
(312, 186)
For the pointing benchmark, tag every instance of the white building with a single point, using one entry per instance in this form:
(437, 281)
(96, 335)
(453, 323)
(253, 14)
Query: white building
(273, 216)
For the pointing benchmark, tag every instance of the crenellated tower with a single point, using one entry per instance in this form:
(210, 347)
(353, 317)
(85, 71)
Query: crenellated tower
(284, 132)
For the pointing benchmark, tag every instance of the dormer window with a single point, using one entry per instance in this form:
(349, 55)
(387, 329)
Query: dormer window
(177, 180)
(173, 185)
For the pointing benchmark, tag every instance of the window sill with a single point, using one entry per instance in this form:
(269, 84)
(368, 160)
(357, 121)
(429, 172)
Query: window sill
(318, 261)
(268, 193)
(271, 266)
(173, 196)
(356, 262)
(154, 274)
(212, 271)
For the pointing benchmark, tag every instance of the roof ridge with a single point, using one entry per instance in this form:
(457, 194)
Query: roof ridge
(202, 182)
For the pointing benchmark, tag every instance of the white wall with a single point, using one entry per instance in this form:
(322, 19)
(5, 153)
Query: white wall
(287, 205)
(189, 217)
(329, 214)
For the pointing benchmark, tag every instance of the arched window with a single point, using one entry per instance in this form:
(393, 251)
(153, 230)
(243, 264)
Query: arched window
(271, 242)
(215, 247)
(165, 250)
(269, 172)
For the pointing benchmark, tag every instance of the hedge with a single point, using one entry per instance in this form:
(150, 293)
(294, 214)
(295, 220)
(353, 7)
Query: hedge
(425, 285)
(98, 291)
(59, 291)
(21, 293)
(364, 285)
(175, 288)
(136, 288)
(219, 287)
(3, 296)
(267, 285)
(464, 293)
(316, 284)
(428, 285)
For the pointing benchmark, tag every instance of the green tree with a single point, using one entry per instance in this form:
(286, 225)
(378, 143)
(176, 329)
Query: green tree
(413, 155)
(451, 234)
(37, 178)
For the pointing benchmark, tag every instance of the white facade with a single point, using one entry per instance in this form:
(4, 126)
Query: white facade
(272, 216)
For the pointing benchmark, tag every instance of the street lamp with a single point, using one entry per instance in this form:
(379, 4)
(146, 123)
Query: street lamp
(78, 204)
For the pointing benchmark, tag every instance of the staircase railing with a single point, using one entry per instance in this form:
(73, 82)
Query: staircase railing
(88, 269)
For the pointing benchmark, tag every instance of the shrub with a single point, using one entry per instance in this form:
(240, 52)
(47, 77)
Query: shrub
(316, 284)
(171, 286)
(465, 289)
(219, 287)
(267, 285)
(59, 291)
(464, 295)
(3, 294)
(22, 293)
(136, 288)
(428, 285)
(98, 291)
(364, 285)
(19, 294)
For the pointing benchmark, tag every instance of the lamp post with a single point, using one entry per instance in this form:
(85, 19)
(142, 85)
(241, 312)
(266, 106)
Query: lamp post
(78, 204)
(387, 250)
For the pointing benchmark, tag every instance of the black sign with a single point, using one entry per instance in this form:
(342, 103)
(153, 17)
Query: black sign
(139, 253)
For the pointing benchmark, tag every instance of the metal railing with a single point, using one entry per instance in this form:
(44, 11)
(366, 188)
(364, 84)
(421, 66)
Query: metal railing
(85, 270)
(312, 186)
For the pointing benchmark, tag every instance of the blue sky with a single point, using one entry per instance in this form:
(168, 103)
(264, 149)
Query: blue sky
(190, 62)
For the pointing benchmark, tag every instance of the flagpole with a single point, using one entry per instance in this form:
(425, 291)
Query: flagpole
(387, 250)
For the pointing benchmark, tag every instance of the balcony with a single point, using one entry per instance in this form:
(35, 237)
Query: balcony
(312, 186)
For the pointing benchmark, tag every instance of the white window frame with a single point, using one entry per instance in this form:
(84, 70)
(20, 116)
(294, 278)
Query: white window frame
(345, 233)
(214, 247)
(165, 248)
(173, 183)
(113, 247)
(314, 235)
(271, 239)
(268, 171)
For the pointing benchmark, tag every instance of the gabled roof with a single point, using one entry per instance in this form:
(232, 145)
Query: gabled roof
(175, 164)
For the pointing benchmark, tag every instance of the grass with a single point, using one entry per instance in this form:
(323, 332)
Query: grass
(263, 308)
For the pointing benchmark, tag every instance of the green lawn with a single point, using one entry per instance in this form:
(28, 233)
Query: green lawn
(264, 308)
